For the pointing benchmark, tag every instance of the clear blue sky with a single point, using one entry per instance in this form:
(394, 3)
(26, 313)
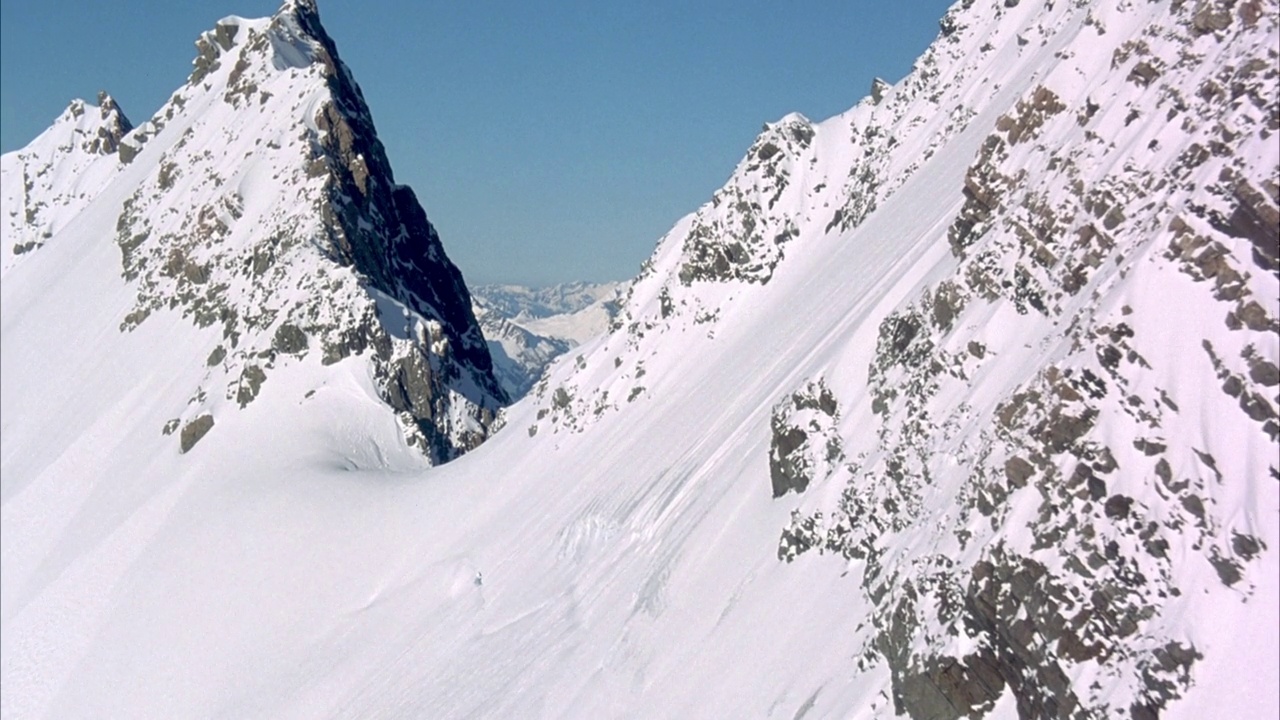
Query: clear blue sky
(549, 141)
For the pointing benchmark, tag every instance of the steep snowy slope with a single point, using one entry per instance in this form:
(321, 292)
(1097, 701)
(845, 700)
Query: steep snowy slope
(46, 183)
(258, 200)
(959, 404)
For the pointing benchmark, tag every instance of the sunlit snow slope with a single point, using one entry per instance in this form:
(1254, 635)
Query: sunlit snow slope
(961, 403)
(258, 203)
(49, 181)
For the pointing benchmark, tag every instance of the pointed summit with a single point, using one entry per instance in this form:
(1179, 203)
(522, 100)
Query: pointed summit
(113, 128)
(267, 206)
(94, 133)
(297, 7)
(58, 173)
(105, 102)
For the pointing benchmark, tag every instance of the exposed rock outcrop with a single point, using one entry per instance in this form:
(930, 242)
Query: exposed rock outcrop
(326, 254)
(1074, 494)
(805, 443)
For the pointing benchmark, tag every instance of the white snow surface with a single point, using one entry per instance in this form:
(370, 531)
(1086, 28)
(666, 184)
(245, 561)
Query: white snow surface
(613, 552)
(55, 176)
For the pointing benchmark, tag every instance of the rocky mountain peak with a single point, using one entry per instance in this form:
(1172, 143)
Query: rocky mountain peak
(992, 434)
(298, 7)
(114, 126)
(58, 173)
(260, 200)
(96, 131)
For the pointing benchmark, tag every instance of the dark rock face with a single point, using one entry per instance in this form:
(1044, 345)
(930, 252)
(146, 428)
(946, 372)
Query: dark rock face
(805, 443)
(1013, 605)
(1255, 218)
(290, 340)
(402, 254)
(983, 188)
(379, 228)
(1030, 115)
(1015, 653)
(193, 431)
(367, 273)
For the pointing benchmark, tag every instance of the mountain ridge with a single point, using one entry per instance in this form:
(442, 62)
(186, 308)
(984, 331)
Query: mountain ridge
(55, 159)
(985, 436)
(199, 234)
(925, 376)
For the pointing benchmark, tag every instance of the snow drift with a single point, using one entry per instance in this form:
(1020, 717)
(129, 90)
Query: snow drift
(959, 404)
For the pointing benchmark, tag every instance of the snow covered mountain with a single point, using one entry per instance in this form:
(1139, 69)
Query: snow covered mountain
(529, 328)
(259, 201)
(962, 403)
(526, 303)
(48, 182)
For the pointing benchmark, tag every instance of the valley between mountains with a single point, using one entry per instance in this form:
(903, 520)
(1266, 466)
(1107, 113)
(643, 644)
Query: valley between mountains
(962, 403)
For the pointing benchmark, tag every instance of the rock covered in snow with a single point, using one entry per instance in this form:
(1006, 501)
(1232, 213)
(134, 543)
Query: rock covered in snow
(1021, 356)
(1088, 493)
(1036, 412)
(57, 174)
(260, 201)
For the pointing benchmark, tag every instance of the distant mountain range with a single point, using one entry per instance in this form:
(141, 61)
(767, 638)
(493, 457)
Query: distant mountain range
(519, 302)
(529, 328)
(962, 403)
